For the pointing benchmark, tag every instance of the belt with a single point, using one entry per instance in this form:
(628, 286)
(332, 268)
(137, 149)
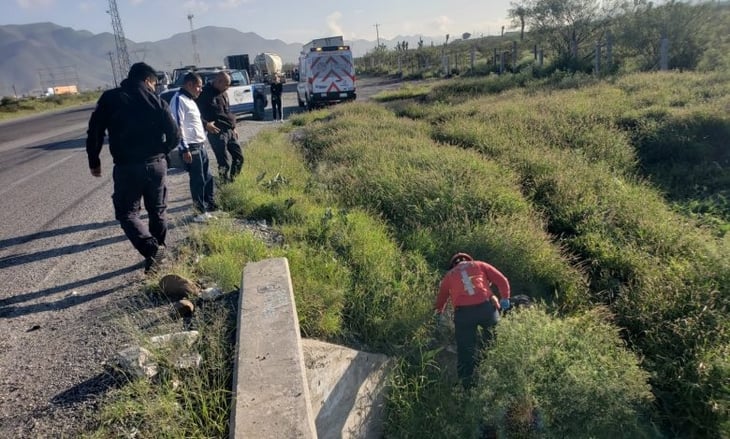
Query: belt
(154, 158)
(193, 146)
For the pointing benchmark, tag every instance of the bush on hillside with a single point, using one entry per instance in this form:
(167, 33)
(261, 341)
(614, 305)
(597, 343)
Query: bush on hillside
(548, 377)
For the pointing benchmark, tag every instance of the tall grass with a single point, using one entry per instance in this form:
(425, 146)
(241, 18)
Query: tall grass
(548, 378)
(566, 186)
(579, 164)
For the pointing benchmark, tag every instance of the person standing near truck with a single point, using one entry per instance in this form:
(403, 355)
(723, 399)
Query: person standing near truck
(141, 134)
(220, 123)
(276, 89)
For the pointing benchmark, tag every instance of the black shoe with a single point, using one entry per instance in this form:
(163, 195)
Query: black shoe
(152, 263)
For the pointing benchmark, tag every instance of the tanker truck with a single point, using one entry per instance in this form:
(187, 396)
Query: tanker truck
(266, 65)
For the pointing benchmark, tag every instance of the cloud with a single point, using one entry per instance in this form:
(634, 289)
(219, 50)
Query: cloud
(86, 6)
(441, 23)
(136, 2)
(333, 23)
(195, 6)
(231, 4)
(28, 4)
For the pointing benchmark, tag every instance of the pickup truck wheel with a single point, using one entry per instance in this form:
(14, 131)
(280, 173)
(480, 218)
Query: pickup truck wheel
(258, 109)
(300, 102)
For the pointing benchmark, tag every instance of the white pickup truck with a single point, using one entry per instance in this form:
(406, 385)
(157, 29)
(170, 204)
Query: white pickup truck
(243, 96)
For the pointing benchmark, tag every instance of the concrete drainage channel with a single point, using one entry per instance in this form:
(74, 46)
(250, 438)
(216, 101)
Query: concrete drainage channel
(288, 387)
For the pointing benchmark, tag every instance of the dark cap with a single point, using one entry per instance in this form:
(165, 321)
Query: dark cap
(141, 71)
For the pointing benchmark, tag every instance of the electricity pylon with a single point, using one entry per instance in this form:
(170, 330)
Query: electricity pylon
(122, 63)
(196, 56)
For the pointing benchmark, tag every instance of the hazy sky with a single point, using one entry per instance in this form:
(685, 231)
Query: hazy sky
(287, 20)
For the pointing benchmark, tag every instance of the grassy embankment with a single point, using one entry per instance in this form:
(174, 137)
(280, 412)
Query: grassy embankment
(13, 108)
(606, 201)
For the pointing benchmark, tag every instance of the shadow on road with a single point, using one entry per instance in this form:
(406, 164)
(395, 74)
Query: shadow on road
(18, 240)
(8, 310)
(88, 390)
(13, 260)
(5, 243)
(66, 144)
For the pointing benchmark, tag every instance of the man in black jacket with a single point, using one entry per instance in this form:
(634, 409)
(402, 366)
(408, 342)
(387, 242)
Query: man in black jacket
(276, 88)
(141, 133)
(220, 124)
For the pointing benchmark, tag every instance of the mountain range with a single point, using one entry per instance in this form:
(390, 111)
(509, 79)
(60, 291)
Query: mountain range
(36, 56)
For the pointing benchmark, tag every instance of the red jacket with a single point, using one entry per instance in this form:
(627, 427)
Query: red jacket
(468, 284)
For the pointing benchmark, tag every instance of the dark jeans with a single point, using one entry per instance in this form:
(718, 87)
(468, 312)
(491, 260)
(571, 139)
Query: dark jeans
(466, 321)
(228, 154)
(201, 180)
(132, 183)
(276, 107)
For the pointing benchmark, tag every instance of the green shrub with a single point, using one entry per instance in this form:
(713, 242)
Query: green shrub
(227, 249)
(554, 378)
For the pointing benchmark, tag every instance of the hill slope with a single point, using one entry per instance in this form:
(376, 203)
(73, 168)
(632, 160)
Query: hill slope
(40, 55)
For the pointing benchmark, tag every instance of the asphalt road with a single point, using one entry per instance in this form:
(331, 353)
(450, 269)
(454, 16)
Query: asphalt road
(65, 265)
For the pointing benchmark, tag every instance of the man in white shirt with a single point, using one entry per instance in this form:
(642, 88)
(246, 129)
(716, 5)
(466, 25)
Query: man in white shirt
(192, 145)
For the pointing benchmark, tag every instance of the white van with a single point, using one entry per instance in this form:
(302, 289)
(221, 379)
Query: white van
(326, 73)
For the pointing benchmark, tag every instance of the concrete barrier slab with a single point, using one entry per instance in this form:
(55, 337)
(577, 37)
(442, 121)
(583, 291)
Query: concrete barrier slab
(347, 389)
(270, 393)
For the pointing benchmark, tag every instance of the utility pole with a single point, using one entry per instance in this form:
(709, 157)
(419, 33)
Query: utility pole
(121, 42)
(196, 56)
(377, 33)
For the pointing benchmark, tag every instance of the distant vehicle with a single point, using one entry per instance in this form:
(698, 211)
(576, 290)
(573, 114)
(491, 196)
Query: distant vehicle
(61, 90)
(244, 97)
(239, 62)
(326, 73)
(266, 65)
(163, 81)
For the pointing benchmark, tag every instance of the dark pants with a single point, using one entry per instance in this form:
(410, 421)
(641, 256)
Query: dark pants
(132, 183)
(276, 107)
(466, 321)
(201, 180)
(228, 154)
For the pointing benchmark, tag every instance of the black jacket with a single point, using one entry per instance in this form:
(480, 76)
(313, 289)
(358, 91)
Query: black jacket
(214, 107)
(276, 89)
(139, 123)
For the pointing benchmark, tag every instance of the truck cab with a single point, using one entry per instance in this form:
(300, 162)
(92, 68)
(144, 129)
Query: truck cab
(244, 97)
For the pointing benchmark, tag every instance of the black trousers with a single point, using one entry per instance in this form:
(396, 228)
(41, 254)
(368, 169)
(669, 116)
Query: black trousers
(228, 154)
(276, 107)
(136, 182)
(201, 180)
(467, 320)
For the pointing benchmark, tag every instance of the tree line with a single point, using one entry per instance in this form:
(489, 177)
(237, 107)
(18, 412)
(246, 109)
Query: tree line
(696, 36)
